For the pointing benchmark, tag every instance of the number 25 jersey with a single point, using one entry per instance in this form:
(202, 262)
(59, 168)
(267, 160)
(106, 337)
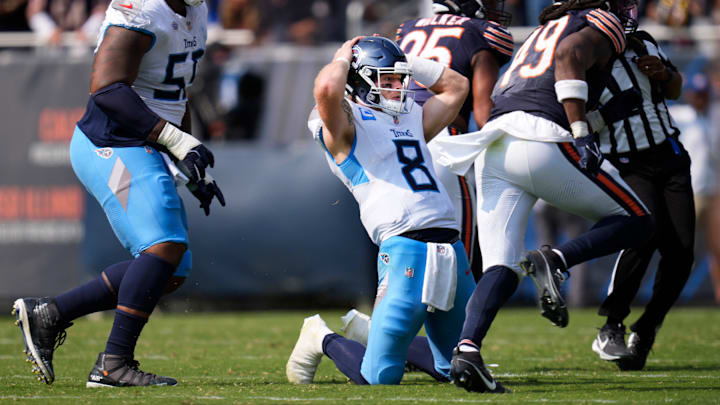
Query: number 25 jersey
(453, 41)
(529, 83)
(390, 173)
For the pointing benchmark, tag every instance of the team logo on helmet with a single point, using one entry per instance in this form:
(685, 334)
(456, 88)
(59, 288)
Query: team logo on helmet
(105, 153)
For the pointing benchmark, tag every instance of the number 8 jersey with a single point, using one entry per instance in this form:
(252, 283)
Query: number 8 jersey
(390, 173)
(178, 44)
(529, 83)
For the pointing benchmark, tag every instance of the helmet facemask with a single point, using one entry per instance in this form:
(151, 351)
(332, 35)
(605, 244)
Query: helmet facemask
(374, 97)
(627, 12)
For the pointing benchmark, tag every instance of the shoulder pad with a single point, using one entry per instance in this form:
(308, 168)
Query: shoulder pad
(132, 10)
(499, 38)
(609, 25)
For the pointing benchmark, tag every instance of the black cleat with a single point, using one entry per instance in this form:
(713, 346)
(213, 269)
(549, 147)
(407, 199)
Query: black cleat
(548, 272)
(468, 371)
(610, 342)
(639, 348)
(113, 370)
(42, 332)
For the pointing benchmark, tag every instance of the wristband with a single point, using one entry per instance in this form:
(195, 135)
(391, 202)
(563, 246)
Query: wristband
(579, 129)
(179, 143)
(565, 89)
(343, 59)
(424, 71)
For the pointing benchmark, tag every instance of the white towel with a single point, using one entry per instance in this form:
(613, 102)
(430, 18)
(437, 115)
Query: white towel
(440, 280)
(179, 177)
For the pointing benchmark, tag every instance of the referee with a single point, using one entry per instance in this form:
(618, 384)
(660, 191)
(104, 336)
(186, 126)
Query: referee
(640, 138)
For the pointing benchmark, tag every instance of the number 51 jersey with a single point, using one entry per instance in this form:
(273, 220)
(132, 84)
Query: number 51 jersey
(529, 83)
(178, 43)
(390, 173)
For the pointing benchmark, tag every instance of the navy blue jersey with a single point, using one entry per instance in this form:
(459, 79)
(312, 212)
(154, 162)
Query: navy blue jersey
(453, 41)
(529, 83)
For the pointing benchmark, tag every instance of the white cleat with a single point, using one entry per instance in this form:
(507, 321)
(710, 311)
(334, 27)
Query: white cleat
(356, 326)
(306, 356)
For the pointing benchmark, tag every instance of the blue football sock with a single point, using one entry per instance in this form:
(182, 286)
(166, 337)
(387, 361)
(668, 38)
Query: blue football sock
(93, 296)
(420, 356)
(124, 334)
(347, 355)
(140, 289)
(495, 287)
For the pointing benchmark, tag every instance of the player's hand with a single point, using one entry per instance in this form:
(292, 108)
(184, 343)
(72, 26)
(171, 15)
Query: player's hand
(345, 51)
(195, 162)
(653, 67)
(590, 156)
(205, 190)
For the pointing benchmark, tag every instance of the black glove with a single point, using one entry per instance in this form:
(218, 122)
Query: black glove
(195, 162)
(204, 190)
(590, 156)
(626, 104)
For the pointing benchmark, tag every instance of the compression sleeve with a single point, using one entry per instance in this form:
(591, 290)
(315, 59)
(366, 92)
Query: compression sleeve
(124, 106)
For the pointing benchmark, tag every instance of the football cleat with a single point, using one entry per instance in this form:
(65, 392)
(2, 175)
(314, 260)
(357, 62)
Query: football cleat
(113, 370)
(639, 348)
(356, 326)
(467, 370)
(548, 272)
(42, 332)
(307, 353)
(609, 343)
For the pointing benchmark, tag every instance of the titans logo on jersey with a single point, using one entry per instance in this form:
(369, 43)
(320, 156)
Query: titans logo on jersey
(529, 82)
(453, 41)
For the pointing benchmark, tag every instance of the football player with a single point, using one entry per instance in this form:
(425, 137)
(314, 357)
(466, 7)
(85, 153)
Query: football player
(146, 58)
(375, 142)
(470, 37)
(537, 144)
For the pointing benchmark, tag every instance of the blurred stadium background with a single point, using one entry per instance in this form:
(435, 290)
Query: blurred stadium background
(290, 236)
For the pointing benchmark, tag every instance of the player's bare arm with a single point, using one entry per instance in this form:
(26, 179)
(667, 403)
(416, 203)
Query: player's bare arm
(576, 54)
(441, 109)
(334, 110)
(485, 74)
(118, 61)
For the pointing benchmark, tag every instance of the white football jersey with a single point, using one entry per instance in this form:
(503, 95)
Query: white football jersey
(169, 67)
(390, 173)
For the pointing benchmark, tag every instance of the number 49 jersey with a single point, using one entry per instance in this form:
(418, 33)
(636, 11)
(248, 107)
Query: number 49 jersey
(453, 41)
(178, 43)
(390, 173)
(529, 83)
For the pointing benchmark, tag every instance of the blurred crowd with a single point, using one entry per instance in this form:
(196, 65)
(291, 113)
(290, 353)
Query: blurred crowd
(304, 22)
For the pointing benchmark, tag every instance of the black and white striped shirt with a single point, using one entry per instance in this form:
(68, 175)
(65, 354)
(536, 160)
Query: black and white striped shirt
(648, 128)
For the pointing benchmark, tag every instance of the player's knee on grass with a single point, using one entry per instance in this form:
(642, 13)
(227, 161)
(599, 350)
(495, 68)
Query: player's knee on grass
(391, 375)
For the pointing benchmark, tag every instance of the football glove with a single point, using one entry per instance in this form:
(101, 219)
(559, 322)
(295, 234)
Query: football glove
(590, 156)
(205, 190)
(195, 162)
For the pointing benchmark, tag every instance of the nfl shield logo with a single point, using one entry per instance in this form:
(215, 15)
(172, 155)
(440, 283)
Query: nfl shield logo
(409, 272)
(105, 153)
(189, 25)
(148, 150)
(441, 250)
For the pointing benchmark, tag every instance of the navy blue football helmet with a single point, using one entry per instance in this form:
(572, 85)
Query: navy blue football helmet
(372, 57)
(627, 12)
(493, 10)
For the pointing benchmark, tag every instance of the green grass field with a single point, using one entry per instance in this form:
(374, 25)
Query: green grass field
(240, 358)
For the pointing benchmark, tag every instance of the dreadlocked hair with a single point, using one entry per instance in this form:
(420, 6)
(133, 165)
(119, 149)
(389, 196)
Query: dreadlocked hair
(558, 9)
